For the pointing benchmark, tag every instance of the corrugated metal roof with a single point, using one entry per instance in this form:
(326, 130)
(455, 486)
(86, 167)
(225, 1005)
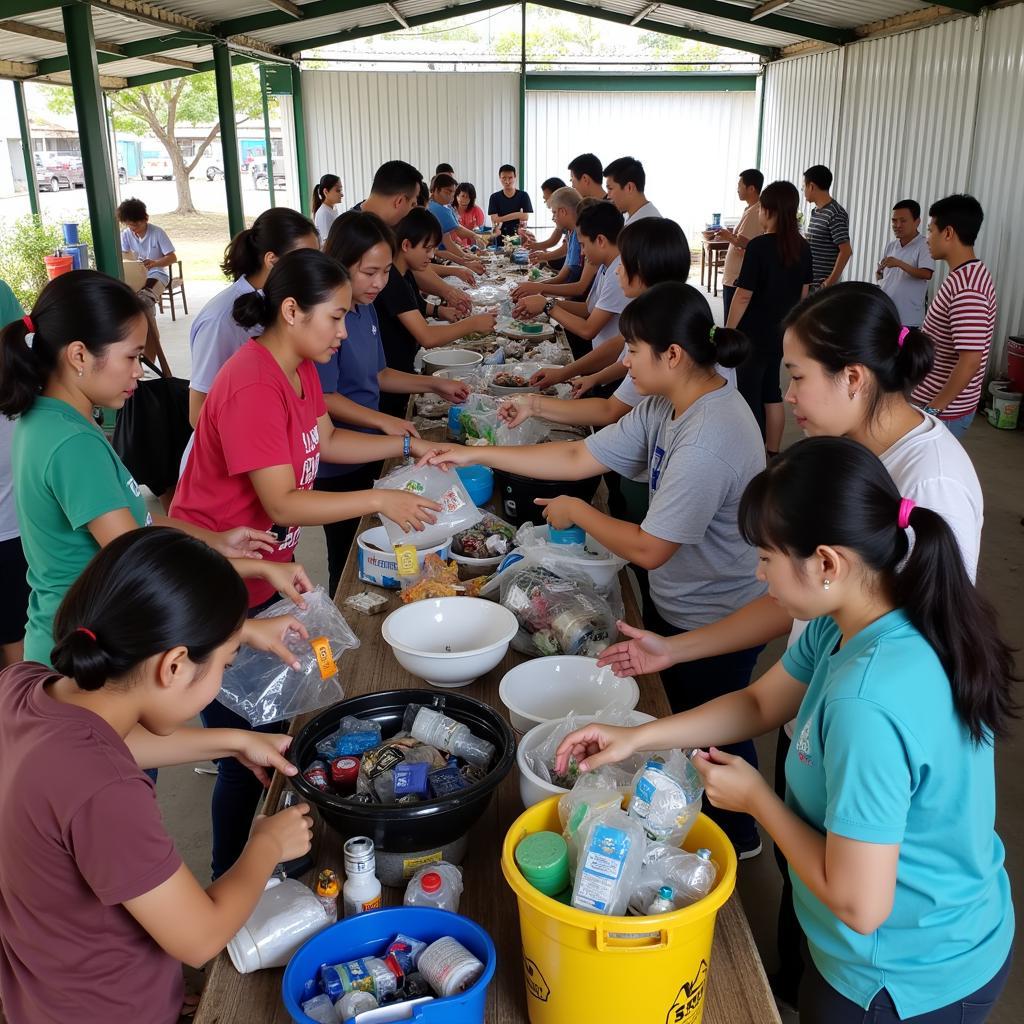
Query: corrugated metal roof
(261, 21)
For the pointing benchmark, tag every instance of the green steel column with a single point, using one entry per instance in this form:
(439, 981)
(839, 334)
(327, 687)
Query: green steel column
(266, 134)
(26, 148)
(522, 100)
(92, 130)
(760, 115)
(301, 156)
(228, 136)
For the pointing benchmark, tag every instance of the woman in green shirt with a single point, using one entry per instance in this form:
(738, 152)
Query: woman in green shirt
(899, 686)
(80, 348)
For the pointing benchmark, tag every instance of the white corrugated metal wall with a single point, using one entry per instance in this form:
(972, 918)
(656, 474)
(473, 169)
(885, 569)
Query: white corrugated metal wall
(692, 144)
(916, 115)
(356, 120)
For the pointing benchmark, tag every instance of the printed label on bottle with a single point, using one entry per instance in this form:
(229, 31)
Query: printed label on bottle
(412, 864)
(324, 658)
(408, 559)
(373, 904)
(602, 867)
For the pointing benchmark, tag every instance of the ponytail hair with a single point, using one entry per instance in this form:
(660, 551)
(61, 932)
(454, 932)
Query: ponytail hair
(138, 597)
(353, 234)
(782, 199)
(306, 275)
(854, 323)
(321, 188)
(84, 306)
(673, 313)
(279, 231)
(834, 491)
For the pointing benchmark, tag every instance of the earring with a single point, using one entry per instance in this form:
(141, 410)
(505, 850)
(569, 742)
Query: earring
(80, 373)
(853, 395)
(828, 583)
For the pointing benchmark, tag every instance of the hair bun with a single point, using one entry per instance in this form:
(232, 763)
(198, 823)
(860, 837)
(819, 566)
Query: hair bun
(251, 309)
(80, 656)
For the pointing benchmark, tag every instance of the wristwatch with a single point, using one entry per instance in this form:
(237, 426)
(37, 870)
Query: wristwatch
(549, 305)
(406, 446)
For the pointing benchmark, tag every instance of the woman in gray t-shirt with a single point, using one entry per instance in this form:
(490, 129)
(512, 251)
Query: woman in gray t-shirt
(700, 445)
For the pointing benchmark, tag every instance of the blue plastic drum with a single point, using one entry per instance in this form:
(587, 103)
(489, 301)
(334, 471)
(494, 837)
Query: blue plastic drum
(368, 934)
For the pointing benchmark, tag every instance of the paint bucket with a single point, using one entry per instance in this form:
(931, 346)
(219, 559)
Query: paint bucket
(57, 265)
(581, 966)
(1004, 411)
(70, 233)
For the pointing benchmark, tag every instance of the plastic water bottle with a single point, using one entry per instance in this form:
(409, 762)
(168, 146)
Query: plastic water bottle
(662, 903)
(697, 882)
(362, 889)
(327, 890)
(438, 730)
(438, 886)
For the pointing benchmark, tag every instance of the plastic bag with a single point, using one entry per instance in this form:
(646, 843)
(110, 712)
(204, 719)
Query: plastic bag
(550, 352)
(263, 690)
(666, 800)
(479, 418)
(492, 537)
(458, 511)
(689, 876)
(557, 614)
(610, 859)
(541, 759)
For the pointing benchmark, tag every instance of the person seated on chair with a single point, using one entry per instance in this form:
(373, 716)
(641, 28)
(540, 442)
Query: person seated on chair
(155, 251)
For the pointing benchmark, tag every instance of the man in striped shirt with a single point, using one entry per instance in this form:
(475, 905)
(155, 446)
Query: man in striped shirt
(829, 230)
(961, 320)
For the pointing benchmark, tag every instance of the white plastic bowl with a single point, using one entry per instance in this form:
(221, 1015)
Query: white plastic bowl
(449, 641)
(526, 370)
(532, 788)
(546, 688)
(601, 570)
(377, 562)
(446, 359)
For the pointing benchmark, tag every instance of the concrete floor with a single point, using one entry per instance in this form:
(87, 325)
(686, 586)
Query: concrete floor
(999, 459)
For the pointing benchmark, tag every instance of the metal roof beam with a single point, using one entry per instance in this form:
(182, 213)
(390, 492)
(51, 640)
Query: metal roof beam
(310, 12)
(778, 22)
(647, 25)
(17, 69)
(292, 10)
(165, 76)
(382, 28)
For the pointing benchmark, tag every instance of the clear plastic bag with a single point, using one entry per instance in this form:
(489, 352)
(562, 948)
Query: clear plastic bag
(541, 759)
(458, 511)
(666, 799)
(263, 690)
(479, 419)
(557, 614)
(689, 876)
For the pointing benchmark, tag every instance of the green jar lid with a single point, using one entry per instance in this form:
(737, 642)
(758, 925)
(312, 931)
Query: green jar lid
(543, 859)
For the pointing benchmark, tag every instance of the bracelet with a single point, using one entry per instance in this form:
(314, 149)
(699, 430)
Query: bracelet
(932, 411)
(406, 446)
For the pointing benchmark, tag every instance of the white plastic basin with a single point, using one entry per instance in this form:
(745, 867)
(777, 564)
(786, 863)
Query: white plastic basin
(446, 359)
(449, 641)
(546, 688)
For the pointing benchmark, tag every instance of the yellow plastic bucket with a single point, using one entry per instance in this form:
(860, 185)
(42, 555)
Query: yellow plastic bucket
(641, 970)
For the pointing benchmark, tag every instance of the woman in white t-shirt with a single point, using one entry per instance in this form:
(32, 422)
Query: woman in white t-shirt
(327, 197)
(851, 366)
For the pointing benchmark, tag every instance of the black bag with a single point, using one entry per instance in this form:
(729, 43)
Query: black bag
(152, 431)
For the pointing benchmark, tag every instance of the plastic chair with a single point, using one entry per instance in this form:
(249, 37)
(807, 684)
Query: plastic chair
(175, 285)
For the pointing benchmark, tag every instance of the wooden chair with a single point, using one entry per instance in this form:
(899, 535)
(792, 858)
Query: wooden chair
(175, 286)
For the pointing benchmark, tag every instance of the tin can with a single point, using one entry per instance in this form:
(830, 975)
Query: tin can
(317, 776)
(344, 772)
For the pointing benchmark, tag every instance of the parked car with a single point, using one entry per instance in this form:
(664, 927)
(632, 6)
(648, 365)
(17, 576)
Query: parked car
(157, 167)
(55, 171)
(258, 170)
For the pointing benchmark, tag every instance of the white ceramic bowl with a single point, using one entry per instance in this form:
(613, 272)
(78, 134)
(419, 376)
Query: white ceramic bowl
(449, 641)
(545, 688)
(446, 359)
(377, 563)
(532, 788)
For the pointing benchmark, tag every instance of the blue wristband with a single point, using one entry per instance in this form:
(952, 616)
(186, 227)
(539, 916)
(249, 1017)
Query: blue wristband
(406, 446)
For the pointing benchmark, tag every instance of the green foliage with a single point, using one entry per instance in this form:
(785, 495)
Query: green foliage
(23, 244)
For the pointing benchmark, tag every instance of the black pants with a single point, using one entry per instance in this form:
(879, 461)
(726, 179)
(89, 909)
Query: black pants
(728, 291)
(788, 934)
(15, 592)
(690, 684)
(237, 792)
(757, 378)
(820, 1003)
(340, 535)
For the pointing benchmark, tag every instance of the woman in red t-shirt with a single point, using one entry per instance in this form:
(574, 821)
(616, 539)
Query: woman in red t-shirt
(258, 443)
(470, 215)
(97, 910)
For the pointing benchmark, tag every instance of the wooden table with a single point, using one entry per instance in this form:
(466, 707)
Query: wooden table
(738, 989)
(712, 257)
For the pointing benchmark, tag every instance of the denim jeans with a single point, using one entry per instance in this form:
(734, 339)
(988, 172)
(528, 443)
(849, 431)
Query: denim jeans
(958, 427)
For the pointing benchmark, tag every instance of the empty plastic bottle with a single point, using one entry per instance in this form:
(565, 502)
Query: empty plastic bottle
(439, 885)
(438, 730)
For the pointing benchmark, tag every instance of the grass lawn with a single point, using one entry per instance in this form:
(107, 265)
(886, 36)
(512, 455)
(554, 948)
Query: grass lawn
(200, 240)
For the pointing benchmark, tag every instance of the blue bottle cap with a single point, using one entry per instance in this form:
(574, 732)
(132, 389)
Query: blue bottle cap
(573, 535)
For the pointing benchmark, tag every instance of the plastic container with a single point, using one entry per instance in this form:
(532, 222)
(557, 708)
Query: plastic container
(447, 359)
(362, 890)
(57, 265)
(377, 562)
(582, 966)
(437, 885)
(412, 827)
(369, 934)
(543, 858)
(438, 730)
(478, 481)
(1005, 409)
(70, 233)
(1015, 362)
(517, 493)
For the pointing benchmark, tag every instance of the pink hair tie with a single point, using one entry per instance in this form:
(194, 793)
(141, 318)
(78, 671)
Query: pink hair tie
(88, 632)
(907, 505)
(904, 331)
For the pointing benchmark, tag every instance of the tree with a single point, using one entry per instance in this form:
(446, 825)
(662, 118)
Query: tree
(159, 108)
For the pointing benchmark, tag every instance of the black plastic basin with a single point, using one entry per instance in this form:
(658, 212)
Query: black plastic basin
(412, 827)
(516, 494)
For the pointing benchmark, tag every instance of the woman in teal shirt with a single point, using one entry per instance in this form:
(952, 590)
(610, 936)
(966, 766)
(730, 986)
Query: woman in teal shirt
(79, 348)
(899, 686)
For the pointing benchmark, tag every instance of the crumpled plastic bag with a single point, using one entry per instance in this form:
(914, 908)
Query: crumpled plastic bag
(263, 690)
(689, 877)
(458, 510)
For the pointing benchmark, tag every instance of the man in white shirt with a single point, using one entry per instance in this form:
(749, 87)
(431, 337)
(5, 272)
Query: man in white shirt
(907, 265)
(624, 180)
(155, 251)
(748, 188)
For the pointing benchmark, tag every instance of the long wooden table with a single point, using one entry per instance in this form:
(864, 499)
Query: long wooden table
(738, 991)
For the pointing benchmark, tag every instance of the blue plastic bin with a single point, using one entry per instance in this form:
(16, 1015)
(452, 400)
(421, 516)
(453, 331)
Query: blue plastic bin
(478, 481)
(368, 934)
